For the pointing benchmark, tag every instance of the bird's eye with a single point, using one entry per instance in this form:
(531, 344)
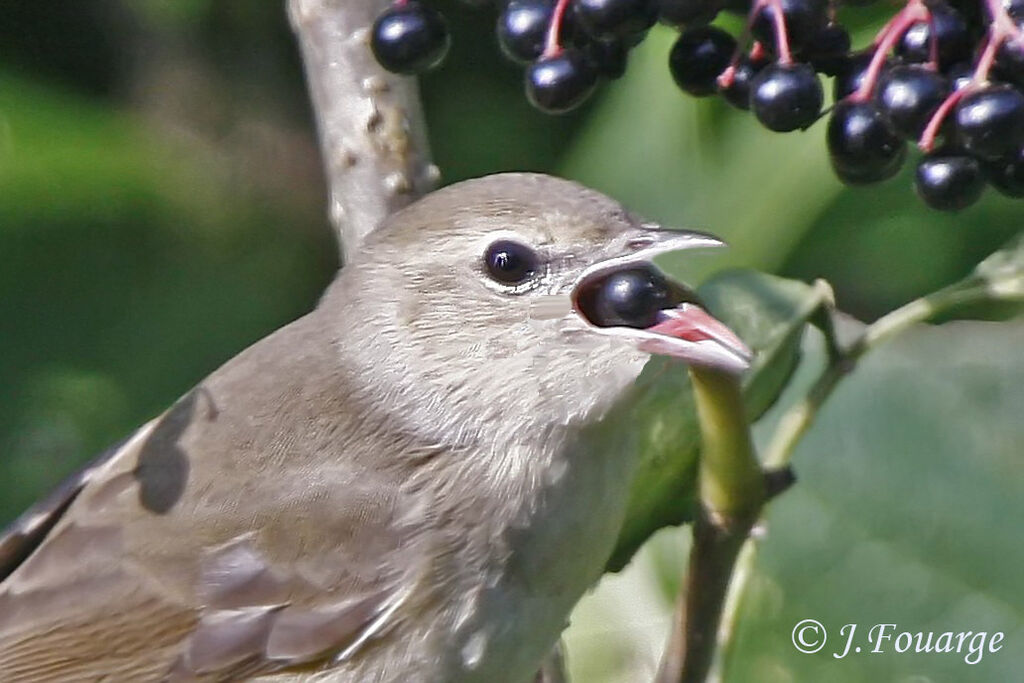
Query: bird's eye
(510, 263)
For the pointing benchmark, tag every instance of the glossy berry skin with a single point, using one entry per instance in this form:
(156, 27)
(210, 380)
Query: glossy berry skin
(949, 181)
(631, 298)
(561, 83)
(826, 49)
(803, 19)
(738, 92)
(631, 40)
(697, 58)
(954, 40)
(1010, 57)
(850, 74)
(615, 18)
(688, 12)
(960, 75)
(410, 39)
(523, 27)
(1007, 175)
(608, 57)
(862, 147)
(786, 97)
(908, 96)
(989, 123)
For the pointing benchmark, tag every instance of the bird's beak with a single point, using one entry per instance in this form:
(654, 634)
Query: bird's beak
(682, 330)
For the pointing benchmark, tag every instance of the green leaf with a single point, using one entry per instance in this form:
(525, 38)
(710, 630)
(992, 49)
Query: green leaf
(769, 313)
(906, 512)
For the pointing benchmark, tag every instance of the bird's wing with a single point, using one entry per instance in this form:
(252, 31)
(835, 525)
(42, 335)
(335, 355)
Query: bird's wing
(25, 533)
(216, 542)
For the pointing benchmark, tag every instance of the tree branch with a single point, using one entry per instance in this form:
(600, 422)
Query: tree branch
(372, 134)
(691, 647)
(798, 419)
(732, 492)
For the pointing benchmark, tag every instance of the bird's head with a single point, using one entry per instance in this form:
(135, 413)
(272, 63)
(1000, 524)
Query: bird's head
(520, 285)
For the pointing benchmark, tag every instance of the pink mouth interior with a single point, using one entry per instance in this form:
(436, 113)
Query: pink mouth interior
(692, 323)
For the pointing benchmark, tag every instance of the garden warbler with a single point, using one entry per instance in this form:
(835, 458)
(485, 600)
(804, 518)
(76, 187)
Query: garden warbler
(414, 482)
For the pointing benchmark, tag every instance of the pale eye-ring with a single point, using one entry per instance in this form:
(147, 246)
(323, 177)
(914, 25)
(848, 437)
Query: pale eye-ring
(510, 262)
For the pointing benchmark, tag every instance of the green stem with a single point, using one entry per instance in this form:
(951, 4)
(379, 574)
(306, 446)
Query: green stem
(731, 483)
(732, 492)
(798, 419)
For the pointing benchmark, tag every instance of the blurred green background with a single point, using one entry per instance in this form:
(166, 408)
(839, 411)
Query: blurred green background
(162, 206)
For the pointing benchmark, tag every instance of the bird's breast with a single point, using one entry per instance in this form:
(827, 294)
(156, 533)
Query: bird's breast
(548, 554)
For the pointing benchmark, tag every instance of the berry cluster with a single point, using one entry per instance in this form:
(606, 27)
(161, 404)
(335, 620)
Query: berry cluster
(947, 75)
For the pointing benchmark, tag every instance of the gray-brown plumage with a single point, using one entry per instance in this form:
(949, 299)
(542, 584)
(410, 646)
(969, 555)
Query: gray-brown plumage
(414, 482)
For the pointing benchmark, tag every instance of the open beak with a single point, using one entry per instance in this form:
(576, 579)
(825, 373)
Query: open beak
(679, 326)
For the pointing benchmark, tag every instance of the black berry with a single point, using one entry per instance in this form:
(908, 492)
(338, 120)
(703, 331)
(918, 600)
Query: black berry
(410, 38)
(608, 56)
(989, 122)
(908, 96)
(631, 40)
(960, 75)
(737, 6)
(803, 20)
(698, 57)
(631, 298)
(849, 74)
(558, 84)
(1010, 57)
(785, 97)
(615, 18)
(737, 93)
(688, 12)
(1007, 175)
(862, 147)
(953, 39)
(523, 27)
(827, 48)
(949, 181)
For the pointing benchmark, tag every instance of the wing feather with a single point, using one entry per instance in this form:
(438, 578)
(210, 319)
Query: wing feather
(24, 534)
(240, 533)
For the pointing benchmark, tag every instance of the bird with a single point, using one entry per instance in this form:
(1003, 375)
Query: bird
(416, 481)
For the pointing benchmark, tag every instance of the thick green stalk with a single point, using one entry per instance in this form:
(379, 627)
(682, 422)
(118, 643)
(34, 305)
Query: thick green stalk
(731, 482)
(732, 492)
